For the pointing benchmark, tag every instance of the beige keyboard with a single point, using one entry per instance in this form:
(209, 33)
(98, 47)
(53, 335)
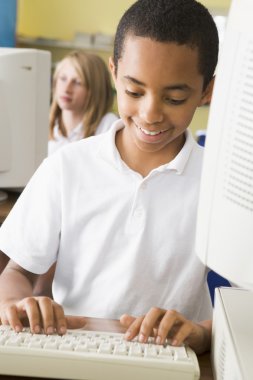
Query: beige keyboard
(92, 355)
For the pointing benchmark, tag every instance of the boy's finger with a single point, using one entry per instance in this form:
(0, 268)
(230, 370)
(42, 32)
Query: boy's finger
(134, 328)
(126, 320)
(183, 332)
(166, 325)
(60, 319)
(149, 323)
(10, 317)
(47, 314)
(74, 322)
(30, 306)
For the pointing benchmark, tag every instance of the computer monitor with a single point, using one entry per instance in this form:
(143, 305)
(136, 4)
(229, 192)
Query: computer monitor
(224, 240)
(24, 114)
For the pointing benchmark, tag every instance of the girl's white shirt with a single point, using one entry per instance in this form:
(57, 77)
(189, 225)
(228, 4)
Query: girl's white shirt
(77, 133)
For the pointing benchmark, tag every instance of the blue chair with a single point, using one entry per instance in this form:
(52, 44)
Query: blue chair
(214, 280)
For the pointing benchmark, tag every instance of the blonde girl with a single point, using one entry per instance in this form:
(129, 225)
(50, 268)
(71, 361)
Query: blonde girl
(82, 98)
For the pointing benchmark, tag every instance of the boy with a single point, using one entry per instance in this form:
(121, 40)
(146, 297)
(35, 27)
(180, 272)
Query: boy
(118, 211)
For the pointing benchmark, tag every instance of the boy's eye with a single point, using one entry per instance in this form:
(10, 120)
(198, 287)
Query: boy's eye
(133, 94)
(175, 102)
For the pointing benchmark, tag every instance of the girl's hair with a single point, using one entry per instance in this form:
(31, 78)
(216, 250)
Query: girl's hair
(95, 76)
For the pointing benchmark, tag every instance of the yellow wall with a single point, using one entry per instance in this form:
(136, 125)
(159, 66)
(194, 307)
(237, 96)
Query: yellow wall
(62, 18)
(218, 4)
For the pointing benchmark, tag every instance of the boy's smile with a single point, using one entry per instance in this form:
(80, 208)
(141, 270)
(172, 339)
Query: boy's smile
(158, 87)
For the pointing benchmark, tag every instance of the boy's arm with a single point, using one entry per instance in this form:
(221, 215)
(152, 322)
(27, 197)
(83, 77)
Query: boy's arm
(169, 324)
(3, 261)
(43, 284)
(19, 308)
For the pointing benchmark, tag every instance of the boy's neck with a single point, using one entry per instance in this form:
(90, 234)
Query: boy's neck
(144, 162)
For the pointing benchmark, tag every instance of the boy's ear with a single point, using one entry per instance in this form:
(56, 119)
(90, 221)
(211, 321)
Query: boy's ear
(112, 69)
(207, 94)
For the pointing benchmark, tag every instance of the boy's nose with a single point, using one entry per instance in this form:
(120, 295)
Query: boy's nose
(151, 111)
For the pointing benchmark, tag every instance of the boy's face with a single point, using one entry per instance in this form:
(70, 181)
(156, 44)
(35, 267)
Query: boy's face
(158, 88)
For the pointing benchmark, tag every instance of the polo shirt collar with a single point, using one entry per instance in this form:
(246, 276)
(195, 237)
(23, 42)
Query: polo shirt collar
(109, 152)
(75, 134)
(178, 164)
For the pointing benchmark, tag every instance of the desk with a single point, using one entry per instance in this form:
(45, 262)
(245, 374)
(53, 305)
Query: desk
(6, 206)
(111, 325)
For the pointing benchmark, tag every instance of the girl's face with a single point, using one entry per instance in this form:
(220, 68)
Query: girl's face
(70, 90)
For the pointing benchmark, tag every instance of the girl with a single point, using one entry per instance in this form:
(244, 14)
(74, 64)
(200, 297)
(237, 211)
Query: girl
(82, 99)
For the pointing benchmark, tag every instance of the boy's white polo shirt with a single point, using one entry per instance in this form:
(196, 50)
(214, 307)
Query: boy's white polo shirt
(123, 243)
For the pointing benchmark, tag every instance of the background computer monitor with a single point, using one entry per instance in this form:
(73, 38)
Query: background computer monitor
(224, 240)
(24, 113)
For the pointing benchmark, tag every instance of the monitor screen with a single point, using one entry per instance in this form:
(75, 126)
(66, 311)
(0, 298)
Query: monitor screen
(224, 238)
(24, 113)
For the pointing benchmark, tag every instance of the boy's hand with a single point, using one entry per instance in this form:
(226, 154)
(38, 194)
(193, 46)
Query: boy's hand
(41, 314)
(164, 324)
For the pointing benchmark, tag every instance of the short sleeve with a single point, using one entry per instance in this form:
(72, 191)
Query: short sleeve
(30, 234)
(106, 123)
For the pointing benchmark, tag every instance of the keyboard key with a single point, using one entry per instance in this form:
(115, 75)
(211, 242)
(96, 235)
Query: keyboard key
(135, 350)
(121, 349)
(150, 351)
(180, 354)
(105, 348)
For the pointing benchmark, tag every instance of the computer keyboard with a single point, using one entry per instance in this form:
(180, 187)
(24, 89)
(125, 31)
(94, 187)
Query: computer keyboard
(92, 355)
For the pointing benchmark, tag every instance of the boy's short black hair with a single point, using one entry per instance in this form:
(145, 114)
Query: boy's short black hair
(185, 22)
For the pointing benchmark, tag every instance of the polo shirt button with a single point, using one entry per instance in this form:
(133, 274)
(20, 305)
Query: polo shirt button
(138, 212)
(143, 186)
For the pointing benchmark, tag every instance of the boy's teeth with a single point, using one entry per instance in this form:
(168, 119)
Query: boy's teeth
(151, 133)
